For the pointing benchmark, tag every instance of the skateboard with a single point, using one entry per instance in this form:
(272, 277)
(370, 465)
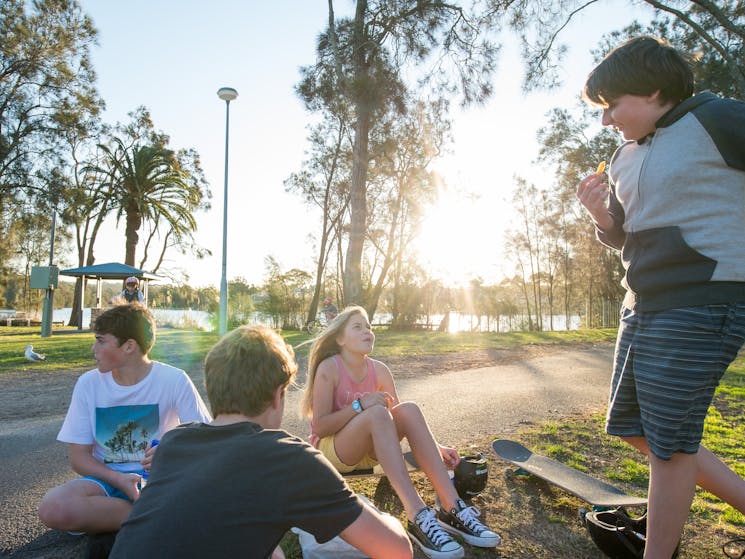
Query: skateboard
(592, 490)
(377, 471)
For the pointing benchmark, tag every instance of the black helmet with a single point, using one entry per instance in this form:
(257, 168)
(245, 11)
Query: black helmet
(617, 534)
(735, 549)
(471, 475)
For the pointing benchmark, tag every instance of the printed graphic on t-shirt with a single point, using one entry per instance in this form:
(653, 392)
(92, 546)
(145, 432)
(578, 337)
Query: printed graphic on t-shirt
(124, 431)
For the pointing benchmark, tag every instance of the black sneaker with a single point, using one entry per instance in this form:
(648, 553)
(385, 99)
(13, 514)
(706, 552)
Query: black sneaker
(463, 521)
(433, 540)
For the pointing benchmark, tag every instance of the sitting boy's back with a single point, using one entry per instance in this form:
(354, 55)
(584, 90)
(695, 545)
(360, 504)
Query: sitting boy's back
(234, 487)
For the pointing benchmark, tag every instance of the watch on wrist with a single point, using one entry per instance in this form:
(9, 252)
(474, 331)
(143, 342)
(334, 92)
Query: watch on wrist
(357, 405)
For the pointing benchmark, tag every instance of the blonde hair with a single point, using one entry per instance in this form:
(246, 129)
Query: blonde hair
(324, 346)
(243, 370)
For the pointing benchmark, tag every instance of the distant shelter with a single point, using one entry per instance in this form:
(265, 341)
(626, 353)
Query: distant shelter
(108, 271)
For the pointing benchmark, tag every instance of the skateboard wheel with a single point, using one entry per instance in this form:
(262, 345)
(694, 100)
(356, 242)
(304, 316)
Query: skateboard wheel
(508, 473)
(581, 515)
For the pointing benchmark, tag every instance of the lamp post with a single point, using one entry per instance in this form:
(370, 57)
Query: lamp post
(227, 94)
(48, 307)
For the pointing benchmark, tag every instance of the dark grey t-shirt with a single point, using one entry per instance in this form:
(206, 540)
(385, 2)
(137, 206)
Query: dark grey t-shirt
(233, 491)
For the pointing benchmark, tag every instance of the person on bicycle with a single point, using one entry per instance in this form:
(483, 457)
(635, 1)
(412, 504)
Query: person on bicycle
(329, 310)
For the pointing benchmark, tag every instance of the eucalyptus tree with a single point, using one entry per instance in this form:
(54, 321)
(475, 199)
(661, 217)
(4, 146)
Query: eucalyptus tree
(401, 187)
(85, 203)
(363, 59)
(324, 184)
(284, 294)
(45, 73)
(715, 29)
(526, 243)
(571, 142)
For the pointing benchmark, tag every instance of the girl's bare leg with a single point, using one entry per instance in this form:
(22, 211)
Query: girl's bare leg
(374, 432)
(412, 424)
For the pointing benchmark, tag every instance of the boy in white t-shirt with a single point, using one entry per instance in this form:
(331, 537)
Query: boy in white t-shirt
(116, 411)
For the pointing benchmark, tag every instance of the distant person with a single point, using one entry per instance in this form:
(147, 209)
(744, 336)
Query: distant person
(674, 209)
(235, 486)
(357, 421)
(131, 292)
(329, 310)
(116, 410)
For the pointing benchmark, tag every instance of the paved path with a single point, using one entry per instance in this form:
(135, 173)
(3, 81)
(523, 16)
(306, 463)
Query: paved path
(461, 407)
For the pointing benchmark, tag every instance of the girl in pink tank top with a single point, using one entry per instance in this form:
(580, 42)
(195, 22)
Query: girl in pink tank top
(357, 421)
(348, 390)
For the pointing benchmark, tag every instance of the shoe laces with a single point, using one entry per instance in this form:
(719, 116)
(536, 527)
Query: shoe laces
(432, 529)
(469, 517)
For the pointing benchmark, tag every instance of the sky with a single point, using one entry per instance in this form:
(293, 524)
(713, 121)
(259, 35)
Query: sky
(173, 55)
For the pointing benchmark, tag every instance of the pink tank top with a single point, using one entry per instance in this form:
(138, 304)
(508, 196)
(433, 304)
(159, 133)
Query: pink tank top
(347, 390)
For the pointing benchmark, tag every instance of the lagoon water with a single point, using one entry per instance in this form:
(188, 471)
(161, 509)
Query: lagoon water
(188, 318)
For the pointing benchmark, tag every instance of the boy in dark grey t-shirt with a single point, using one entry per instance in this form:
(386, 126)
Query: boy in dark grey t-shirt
(232, 488)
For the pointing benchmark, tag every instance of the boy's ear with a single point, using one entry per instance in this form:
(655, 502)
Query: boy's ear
(131, 345)
(279, 394)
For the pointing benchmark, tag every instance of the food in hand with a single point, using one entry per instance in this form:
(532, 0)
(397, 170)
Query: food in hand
(601, 168)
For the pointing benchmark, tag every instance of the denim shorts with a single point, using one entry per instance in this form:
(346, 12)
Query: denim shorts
(667, 366)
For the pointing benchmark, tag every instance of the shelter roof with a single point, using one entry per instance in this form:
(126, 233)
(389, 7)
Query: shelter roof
(110, 270)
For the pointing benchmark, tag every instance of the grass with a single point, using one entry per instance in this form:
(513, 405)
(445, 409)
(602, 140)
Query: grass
(70, 349)
(536, 520)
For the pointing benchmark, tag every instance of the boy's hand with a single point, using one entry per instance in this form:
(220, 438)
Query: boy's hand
(592, 193)
(450, 456)
(130, 485)
(148, 459)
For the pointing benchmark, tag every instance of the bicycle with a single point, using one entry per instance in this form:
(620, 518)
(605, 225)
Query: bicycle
(326, 315)
(313, 327)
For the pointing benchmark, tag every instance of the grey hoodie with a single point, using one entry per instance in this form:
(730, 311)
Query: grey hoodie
(678, 203)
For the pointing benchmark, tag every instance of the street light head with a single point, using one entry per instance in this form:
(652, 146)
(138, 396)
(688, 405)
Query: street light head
(227, 93)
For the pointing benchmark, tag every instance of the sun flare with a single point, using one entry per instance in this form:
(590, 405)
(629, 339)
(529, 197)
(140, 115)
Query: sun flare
(461, 238)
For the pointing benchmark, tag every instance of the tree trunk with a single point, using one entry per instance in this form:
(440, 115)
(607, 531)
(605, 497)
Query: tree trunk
(358, 199)
(134, 220)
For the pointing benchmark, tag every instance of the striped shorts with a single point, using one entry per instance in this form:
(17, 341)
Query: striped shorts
(667, 366)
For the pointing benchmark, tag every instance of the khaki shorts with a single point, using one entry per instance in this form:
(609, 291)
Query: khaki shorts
(326, 446)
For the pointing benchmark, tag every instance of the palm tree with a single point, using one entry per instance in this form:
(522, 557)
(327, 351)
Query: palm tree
(147, 183)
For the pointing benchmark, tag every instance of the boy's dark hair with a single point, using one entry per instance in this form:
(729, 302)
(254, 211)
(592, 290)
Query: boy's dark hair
(641, 66)
(243, 370)
(133, 321)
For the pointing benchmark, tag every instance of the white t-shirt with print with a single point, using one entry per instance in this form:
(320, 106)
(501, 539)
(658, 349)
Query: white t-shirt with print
(119, 421)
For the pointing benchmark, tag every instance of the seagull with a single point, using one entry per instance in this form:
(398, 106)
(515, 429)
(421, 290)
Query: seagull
(31, 355)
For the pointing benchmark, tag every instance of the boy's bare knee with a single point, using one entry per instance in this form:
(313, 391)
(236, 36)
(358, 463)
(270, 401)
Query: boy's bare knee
(54, 514)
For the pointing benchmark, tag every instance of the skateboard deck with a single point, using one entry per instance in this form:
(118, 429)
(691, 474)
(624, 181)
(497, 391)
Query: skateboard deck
(409, 461)
(596, 492)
